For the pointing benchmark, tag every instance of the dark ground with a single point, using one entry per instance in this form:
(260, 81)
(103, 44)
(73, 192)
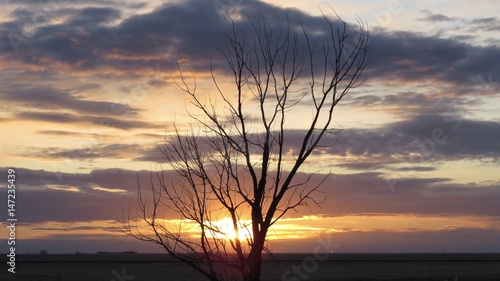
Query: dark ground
(283, 267)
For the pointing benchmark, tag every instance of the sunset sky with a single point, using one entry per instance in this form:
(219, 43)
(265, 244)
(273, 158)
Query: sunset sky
(87, 95)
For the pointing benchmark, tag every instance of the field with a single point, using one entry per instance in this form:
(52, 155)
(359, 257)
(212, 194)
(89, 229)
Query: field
(291, 267)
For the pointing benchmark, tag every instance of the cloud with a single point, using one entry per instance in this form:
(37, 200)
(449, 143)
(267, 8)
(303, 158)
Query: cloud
(51, 98)
(451, 240)
(124, 123)
(420, 138)
(94, 16)
(419, 143)
(367, 193)
(408, 104)
(412, 57)
(47, 194)
(435, 17)
(93, 151)
(51, 199)
(485, 24)
(189, 32)
(417, 169)
(76, 228)
(65, 133)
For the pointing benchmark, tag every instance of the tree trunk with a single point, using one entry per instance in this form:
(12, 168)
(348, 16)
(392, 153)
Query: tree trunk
(254, 265)
(255, 257)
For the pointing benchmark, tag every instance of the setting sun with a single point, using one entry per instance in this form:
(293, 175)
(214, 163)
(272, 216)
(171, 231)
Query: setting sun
(225, 230)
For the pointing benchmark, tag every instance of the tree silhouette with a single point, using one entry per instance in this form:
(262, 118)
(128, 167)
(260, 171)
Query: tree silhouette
(240, 161)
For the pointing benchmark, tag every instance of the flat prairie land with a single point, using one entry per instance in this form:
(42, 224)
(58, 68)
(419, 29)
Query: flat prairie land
(282, 267)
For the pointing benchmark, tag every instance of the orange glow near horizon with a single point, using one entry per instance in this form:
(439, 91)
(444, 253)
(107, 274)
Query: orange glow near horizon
(286, 229)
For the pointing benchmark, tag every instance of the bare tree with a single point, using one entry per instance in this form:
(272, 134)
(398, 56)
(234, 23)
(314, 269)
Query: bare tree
(241, 160)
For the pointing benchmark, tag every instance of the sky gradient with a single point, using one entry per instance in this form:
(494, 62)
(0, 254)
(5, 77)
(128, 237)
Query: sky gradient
(88, 94)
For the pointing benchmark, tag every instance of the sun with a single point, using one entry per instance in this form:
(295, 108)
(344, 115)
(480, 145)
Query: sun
(227, 231)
